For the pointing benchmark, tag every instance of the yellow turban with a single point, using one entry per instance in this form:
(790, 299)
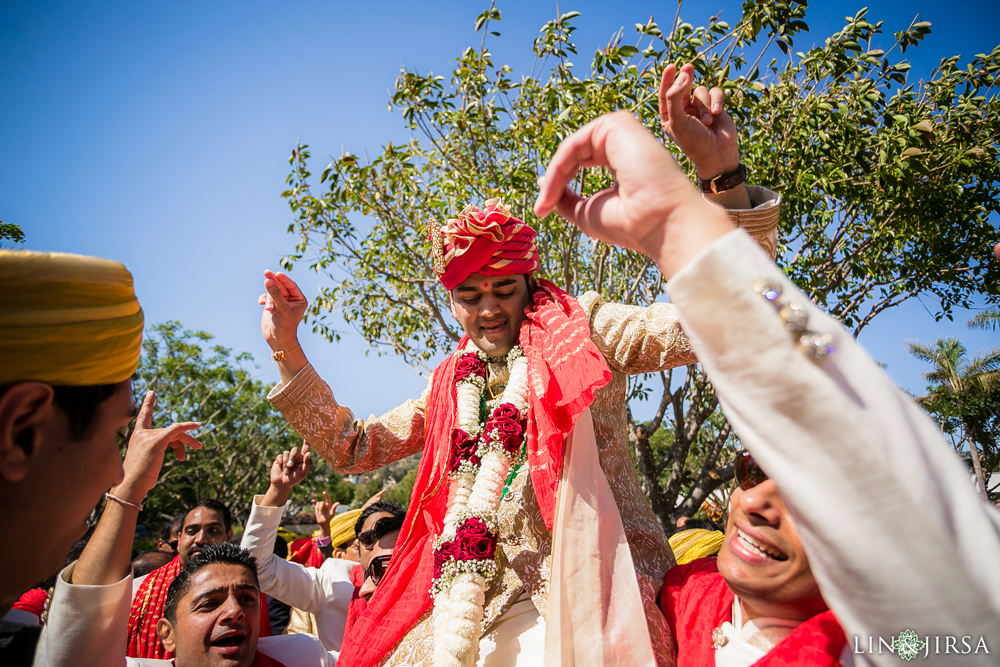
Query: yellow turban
(695, 543)
(67, 319)
(342, 527)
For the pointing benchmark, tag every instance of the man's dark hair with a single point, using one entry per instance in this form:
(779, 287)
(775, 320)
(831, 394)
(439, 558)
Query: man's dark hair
(222, 553)
(148, 561)
(80, 405)
(394, 509)
(280, 547)
(214, 505)
(170, 527)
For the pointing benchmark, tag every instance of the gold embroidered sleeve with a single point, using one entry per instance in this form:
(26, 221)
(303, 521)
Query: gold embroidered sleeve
(349, 445)
(637, 339)
(761, 221)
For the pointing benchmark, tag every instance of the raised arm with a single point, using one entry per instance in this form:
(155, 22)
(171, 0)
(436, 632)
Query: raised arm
(697, 121)
(307, 402)
(896, 536)
(303, 587)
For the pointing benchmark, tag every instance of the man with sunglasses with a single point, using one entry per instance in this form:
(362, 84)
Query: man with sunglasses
(894, 538)
(327, 591)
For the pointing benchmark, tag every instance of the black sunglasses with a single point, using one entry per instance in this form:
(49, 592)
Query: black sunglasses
(377, 568)
(382, 527)
(748, 474)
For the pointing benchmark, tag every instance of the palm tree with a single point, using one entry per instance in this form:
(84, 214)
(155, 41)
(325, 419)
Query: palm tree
(988, 319)
(964, 395)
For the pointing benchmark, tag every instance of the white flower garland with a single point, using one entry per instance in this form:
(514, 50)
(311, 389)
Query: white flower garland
(459, 590)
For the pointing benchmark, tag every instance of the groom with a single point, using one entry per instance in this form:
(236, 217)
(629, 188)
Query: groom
(578, 355)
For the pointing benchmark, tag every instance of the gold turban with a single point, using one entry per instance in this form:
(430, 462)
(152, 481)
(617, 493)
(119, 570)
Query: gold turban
(695, 543)
(342, 527)
(67, 319)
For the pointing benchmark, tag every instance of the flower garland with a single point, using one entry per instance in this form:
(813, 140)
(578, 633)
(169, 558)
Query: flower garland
(483, 451)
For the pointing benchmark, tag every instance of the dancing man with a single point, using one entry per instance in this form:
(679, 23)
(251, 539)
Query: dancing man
(535, 367)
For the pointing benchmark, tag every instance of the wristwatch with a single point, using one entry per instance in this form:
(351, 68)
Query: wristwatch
(724, 182)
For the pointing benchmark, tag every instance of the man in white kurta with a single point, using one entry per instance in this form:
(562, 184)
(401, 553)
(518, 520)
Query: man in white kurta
(897, 538)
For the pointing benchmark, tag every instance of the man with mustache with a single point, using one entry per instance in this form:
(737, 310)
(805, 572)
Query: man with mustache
(206, 523)
(546, 366)
(211, 619)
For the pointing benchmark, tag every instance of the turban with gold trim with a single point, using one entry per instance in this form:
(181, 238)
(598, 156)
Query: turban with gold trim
(695, 543)
(487, 241)
(67, 319)
(342, 527)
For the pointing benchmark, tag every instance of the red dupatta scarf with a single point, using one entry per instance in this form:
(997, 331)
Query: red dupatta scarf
(147, 609)
(565, 370)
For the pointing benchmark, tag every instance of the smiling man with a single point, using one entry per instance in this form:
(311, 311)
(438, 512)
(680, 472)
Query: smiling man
(758, 602)
(550, 369)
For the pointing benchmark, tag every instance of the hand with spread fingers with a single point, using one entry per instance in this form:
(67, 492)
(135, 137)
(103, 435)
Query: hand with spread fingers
(289, 469)
(146, 448)
(697, 122)
(324, 510)
(653, 208)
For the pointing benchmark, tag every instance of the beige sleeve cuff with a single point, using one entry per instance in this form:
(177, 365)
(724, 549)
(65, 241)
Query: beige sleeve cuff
(761, 221)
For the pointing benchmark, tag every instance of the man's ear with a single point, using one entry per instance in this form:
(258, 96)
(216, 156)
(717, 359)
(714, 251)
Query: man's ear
(26, 414)
(165, 631)
(229, 536)
(451, 302)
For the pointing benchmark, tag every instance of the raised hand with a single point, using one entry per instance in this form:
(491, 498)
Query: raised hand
(653, 208)
(290, 468)
(698, 123)
(146, 447)
(284, 306)
(325, 510)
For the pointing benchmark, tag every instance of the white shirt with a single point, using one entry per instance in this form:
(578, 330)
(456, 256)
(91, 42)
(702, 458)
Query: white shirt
(88, 627)
(325, 592)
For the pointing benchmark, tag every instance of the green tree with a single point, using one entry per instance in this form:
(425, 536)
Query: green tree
(964, 397)
(10, 232)
(241, 432)
(888, 186)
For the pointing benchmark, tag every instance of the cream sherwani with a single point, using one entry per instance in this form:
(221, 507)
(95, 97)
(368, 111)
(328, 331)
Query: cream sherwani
(897, 537)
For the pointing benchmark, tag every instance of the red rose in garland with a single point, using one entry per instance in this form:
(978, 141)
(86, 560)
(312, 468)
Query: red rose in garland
(463, 448)
(441, 556)
(507, 432)
(507, 411)
(469, 364)
(474, 541)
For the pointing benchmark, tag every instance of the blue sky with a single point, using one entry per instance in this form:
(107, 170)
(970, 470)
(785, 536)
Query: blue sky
(157, 134)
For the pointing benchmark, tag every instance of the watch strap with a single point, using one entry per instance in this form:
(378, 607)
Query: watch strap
(724, 182)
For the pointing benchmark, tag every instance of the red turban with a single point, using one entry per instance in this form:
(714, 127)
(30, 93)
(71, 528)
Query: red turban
(488, 241)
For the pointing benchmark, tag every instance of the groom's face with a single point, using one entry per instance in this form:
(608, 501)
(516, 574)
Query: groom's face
(491, 310)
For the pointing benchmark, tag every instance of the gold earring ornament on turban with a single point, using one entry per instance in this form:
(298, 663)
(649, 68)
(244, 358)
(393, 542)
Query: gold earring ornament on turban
(67, 319)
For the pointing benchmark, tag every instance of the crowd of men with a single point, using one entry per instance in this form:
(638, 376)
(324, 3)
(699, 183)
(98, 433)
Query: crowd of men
(853, 537)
